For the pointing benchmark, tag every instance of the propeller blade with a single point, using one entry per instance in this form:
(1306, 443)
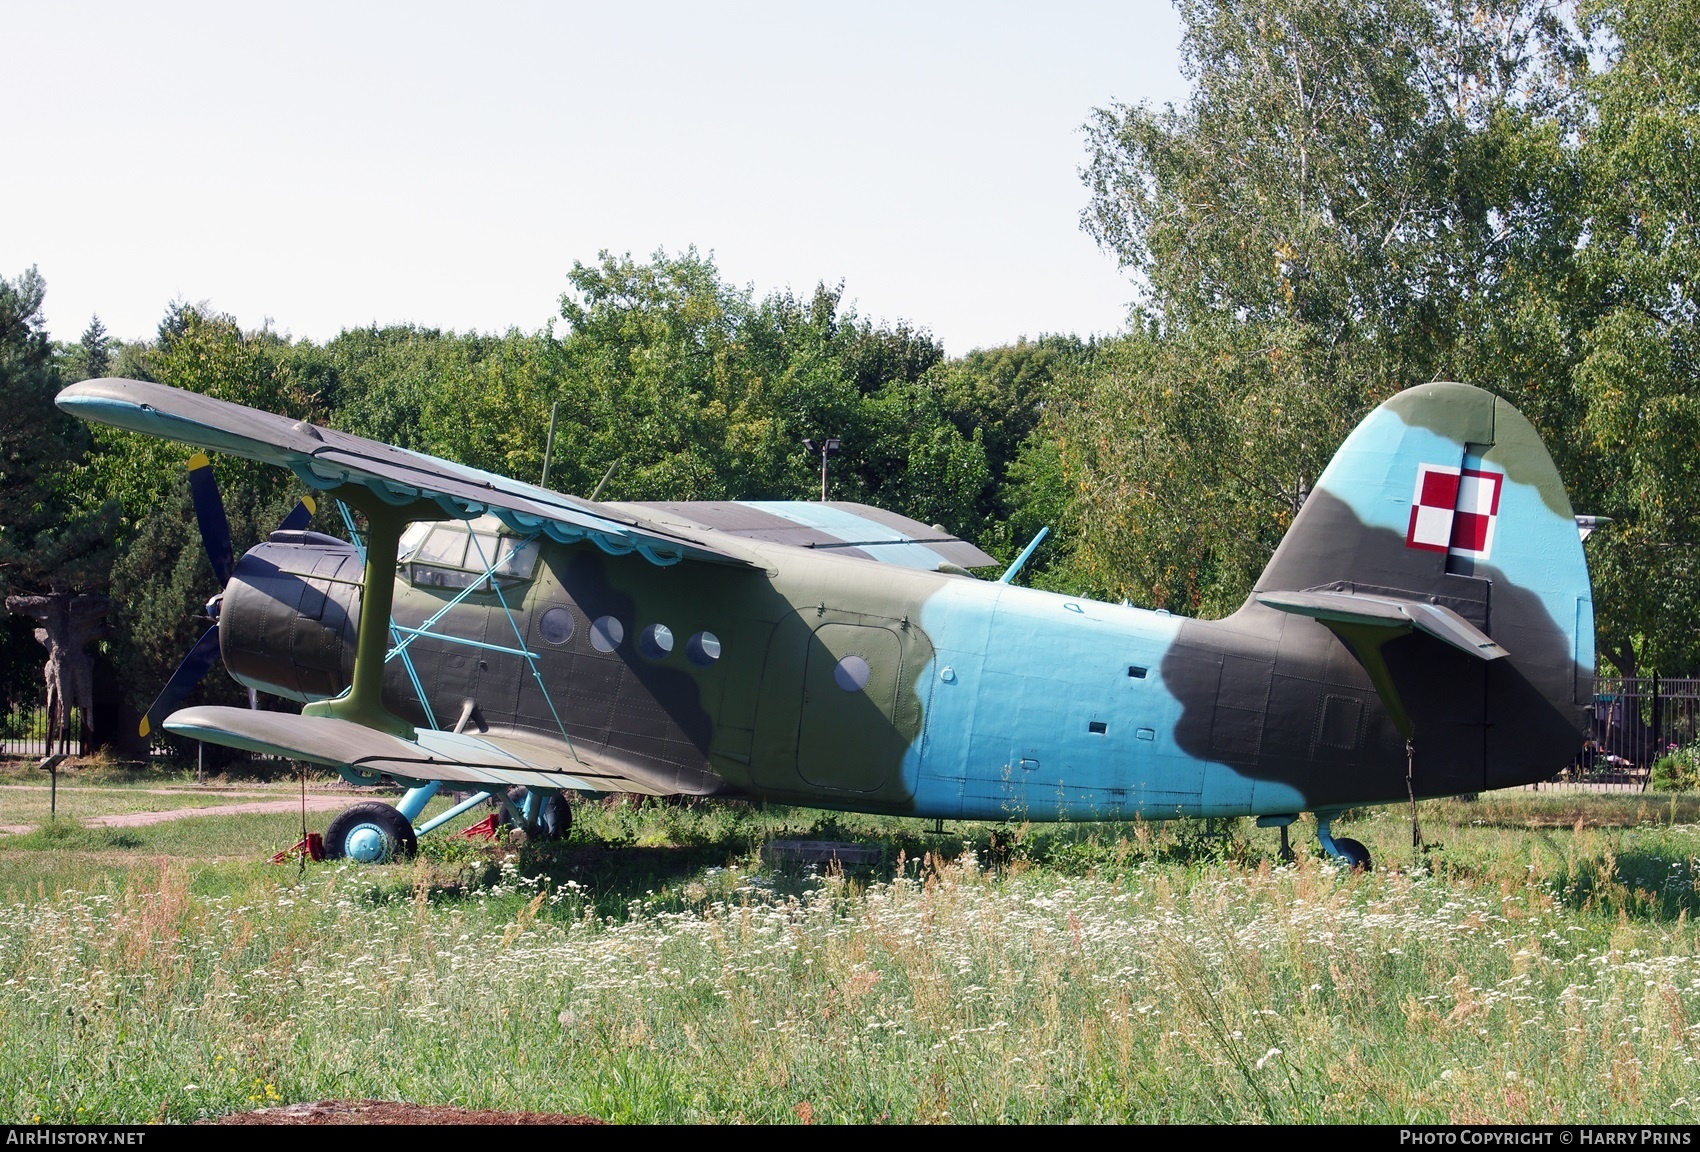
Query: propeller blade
(299, 516)
(196, 664)
(209, 513)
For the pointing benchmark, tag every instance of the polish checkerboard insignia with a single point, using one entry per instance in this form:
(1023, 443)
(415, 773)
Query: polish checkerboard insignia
(1454, 510)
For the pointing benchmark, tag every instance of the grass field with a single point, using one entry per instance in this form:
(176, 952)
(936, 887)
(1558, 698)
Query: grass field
(1535, 962)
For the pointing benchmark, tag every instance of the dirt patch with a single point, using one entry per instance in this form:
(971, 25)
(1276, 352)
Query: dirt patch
(391, 1112)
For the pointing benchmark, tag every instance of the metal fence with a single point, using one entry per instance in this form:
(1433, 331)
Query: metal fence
(24, 731)
(1637, 722)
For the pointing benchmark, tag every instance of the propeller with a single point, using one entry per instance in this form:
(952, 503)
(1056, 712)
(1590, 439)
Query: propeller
(215, 537)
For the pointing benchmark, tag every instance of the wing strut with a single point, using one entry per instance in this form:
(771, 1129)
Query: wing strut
(399, 649)
(385, 522)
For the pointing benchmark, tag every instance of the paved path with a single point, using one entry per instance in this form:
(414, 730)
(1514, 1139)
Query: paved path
(185, 790)
(136, 819)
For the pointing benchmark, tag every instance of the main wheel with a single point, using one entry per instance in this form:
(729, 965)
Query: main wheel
(555, 820)
(370, 833)
(1353, 853)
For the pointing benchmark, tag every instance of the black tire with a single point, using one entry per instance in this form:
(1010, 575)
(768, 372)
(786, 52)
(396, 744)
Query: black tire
(392, 824)
(554, 822)
(1353, 853)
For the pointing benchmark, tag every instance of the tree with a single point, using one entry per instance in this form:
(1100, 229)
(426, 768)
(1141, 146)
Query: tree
(90, 357)
(694, 390)
(47, 543)
(1316, 229)
(1000, 395)
(53, 558)
(1638, 297)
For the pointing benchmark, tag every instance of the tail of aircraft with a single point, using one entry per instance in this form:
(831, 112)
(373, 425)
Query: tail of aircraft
(1440, 547)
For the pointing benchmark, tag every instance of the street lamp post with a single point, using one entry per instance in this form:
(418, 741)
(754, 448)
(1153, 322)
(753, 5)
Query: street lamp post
(826, 448)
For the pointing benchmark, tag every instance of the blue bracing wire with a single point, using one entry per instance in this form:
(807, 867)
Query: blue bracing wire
(418, 688)
(530, 657)
(425, 628)
(402, 637)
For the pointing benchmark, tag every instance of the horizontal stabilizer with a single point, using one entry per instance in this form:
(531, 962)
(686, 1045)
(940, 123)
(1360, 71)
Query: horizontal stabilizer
(459, 757)
(1387, 612)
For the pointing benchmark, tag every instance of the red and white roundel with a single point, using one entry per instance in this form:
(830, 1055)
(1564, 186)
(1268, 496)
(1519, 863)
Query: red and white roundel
(1454, 510)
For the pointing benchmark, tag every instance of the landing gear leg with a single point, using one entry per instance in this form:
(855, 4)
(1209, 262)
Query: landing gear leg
(1354, 854)
(1280, 822)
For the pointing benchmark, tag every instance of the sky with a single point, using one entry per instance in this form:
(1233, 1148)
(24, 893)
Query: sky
(330, 166)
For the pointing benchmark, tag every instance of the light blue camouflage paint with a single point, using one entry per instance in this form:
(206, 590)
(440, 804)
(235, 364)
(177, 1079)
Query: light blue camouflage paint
(1020, 677)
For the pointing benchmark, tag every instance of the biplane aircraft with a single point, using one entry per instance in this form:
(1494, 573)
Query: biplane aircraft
(1424, 629)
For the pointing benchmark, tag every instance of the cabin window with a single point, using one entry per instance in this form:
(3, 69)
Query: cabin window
(1135, 672)
(556, 625)
(446, 547)
(606, 634)
(703, 649)
(656, 641)
(1097, 726)
(455, 555)
(851, 674)
(515, 558)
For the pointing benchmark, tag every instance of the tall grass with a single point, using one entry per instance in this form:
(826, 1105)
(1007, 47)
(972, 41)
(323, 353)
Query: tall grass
(1141, 973)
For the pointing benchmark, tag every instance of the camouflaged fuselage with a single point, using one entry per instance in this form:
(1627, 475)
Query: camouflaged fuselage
(851, 683)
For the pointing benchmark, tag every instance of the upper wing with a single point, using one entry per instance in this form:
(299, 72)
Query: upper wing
(844, 528)
(325, 458)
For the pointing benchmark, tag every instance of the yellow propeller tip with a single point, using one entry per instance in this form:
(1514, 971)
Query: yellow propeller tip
(312, 505)
(144, 728)
(198, 460)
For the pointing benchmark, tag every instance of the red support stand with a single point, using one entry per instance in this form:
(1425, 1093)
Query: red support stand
(313, 846)
(484, 829)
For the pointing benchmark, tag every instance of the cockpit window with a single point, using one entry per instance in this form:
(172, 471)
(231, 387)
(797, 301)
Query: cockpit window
(456, 554)
(446, 546)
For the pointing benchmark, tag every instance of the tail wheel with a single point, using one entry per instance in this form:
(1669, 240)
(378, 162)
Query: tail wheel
(371, 833)
(1353, 853)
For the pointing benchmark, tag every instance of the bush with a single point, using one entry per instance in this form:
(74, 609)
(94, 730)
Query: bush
(1674, 773)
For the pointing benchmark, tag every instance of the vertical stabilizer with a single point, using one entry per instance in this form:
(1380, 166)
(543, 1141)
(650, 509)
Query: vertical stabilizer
(1443, 507)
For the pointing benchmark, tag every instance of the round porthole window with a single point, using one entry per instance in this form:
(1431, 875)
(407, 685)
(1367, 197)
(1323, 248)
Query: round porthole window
(851, 674)
(703, 649)
(656, 641)
(606, 633)
(556, 626)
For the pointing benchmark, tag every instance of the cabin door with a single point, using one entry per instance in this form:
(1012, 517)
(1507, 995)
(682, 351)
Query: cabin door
(847, 739)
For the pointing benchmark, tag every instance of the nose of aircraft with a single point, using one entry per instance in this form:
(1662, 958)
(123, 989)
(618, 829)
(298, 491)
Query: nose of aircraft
(290, 615)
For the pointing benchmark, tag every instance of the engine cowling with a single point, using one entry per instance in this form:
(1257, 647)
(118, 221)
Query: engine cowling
(290, 616)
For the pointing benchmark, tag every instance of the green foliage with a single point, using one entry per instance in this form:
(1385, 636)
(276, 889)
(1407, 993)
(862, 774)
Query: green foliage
(1677, 772)
(1638, 271)
(90, 357)
(53, 537)
(45, 545)
(693, 390)
(1317, 228)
